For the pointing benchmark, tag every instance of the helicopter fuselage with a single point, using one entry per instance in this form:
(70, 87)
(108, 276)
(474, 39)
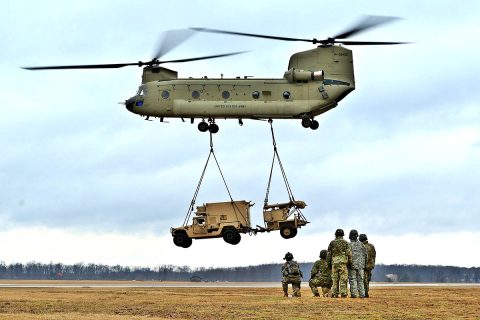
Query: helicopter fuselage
(315, 82)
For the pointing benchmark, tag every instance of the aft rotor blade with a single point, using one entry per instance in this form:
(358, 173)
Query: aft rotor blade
(87, 66)
(253, 35)
(369, 43)
(171, 39)
(202, 58)
(367, 23)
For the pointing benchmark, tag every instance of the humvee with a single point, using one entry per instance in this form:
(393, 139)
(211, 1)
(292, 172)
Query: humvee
(215, 220)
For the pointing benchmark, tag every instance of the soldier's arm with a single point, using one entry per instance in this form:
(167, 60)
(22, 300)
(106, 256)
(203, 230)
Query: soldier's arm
(366, 255)
(374, 255)
(350, 257)
(314, 271)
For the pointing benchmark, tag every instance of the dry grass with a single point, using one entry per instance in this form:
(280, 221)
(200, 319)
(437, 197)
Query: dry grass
(239, 303)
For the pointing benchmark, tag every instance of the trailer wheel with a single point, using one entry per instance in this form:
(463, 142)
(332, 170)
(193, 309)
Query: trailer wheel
(288, 232)
(231, 236)
(182, 240)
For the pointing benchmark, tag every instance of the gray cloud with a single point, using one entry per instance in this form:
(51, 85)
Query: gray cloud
(398, 155)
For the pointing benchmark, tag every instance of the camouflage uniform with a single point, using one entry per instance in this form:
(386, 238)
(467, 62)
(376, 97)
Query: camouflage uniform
(356, 270)
(370, 265)
(321, 276)
(339, 255)
(292, 277)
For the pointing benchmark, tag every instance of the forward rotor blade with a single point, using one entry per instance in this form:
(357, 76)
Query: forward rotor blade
(367, 23)
(121, 65)
(171, 39)
(87, 66)
(253, 35)
(202, 58)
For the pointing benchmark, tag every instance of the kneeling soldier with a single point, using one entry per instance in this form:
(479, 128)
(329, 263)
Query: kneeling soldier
(291, 274)
(321, 276)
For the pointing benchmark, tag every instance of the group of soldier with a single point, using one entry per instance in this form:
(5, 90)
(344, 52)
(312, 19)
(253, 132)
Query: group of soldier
(343, 262)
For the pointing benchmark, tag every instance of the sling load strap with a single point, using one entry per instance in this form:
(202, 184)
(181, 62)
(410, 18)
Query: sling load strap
(275, 154)
(192, 203)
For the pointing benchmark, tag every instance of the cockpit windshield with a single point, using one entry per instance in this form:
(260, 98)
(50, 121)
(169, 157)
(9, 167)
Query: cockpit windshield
(142, 90)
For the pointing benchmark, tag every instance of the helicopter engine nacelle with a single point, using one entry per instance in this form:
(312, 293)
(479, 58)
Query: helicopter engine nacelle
(297, 75)
(156, 73)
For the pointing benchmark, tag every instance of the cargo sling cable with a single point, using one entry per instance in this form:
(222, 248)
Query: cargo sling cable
(293, 204)
(192, 203)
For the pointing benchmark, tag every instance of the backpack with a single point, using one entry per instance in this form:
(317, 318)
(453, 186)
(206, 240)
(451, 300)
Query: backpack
(293, 268)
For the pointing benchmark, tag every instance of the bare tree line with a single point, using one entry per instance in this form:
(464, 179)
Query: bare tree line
(264, 272)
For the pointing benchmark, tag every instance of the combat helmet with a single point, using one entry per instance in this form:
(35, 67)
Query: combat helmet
(288, 256)
(323, 254)
(339, 233)
(353, 234)
(362, 237)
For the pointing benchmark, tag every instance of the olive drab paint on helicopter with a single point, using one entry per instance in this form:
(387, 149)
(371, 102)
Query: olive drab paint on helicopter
(315, 82)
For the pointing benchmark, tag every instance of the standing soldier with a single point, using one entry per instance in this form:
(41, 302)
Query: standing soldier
(372, 254)
(356, 270)
(321, 276)
(338, 257)
(291, 274)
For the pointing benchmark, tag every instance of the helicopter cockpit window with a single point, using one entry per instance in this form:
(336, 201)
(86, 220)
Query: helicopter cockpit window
(225, 95)
(165, 95)
(255, 94)
(195, 94)
(286, 95)
(142, 91)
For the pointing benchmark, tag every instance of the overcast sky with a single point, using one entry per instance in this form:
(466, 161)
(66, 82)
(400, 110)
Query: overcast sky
(84, 180)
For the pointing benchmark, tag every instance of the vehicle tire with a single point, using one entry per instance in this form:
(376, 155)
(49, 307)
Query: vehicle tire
(187, 243)
(203, 126)
(231, 236)
(182, 240)
(294, 233)
(237, 240)
(213, 128)
(288, 232)
(314, 125)
(306, 122)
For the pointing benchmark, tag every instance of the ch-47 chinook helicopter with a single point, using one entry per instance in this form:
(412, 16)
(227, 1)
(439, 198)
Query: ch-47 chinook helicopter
(316, 81)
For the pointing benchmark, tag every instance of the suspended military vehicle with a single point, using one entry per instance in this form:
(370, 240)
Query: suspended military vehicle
(230, 219)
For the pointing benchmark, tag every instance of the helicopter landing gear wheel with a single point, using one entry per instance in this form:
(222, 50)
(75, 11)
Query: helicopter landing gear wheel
(306, 122)
(203, 126)
(213, 128)
(314, 125)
